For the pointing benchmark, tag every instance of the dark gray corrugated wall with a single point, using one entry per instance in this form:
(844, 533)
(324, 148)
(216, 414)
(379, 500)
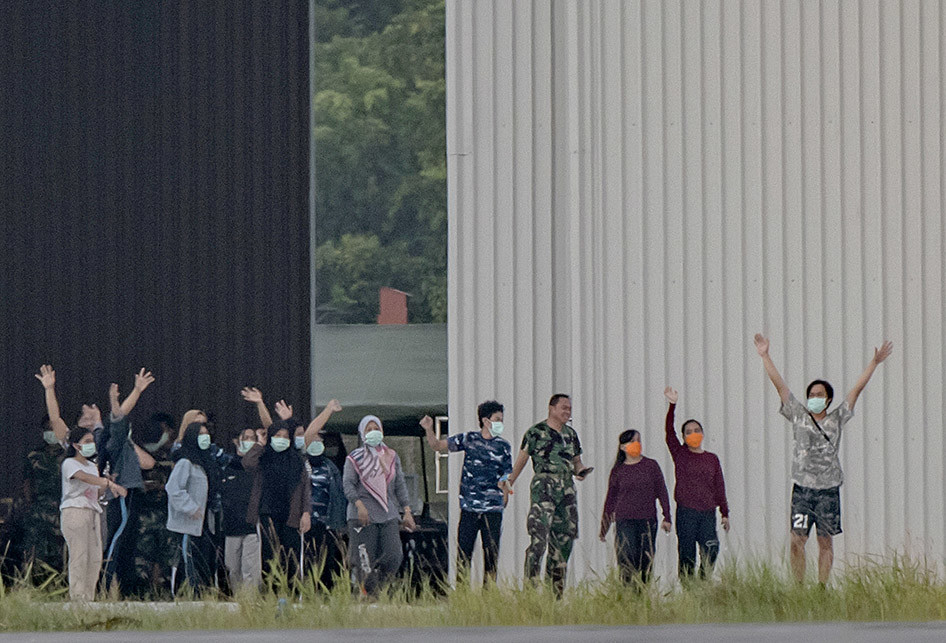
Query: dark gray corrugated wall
(154, 206)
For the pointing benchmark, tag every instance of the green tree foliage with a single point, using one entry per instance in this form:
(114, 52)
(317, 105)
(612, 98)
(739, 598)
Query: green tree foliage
(380, 141)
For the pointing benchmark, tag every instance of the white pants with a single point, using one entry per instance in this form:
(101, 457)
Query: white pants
(82, 529)
(244, 563)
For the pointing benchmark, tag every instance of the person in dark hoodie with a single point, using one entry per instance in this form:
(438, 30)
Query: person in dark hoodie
(194, 479)
(328, 502)
(284, 490)
(242, 537)
(124, 460)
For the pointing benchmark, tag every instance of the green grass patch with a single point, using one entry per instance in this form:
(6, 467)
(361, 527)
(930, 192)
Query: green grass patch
(897, 588)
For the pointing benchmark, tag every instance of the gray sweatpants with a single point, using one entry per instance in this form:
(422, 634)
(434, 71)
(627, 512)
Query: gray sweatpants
(374, 553)
(244, 564)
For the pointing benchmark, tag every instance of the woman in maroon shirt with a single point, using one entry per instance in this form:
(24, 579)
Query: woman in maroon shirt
(700, 489)
(635, 485)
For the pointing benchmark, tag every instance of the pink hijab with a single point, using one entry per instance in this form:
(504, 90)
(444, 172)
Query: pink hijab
(374, 465)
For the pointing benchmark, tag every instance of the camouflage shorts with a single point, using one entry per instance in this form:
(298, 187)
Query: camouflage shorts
(819, 507)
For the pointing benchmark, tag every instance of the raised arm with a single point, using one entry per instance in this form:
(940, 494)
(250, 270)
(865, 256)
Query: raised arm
(762, 346)
(437, 444)
(672, 442)
(47, 377)
(880, 354)
(142, 381)
(252, 394)
(316, 425)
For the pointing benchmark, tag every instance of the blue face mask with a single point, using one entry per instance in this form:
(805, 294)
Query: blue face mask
(246, 445)
(203, 441)
(300, 441)
(315, 448)
(87, 450)
(496, 428)
(279, 444)
(49, 437)
(817, 404)
(373, 438)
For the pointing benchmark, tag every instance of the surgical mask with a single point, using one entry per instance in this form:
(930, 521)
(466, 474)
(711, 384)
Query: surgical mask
(632, 449)
(817, 404)
(315, 448)
(151, 447)
(373, 438)
(203, 441)
(50, 437)
(496, 428)
(280, 444)
(246, 445)
(300, 441)
(87, 450)
(694, 440)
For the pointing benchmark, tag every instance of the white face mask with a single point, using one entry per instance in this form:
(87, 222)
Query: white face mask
(300, 441)
(817, 404)
(151, 447)
(245, 445)
(496, 428)
(315, 448)
(279, 444)
(50, 437)
(87, 450)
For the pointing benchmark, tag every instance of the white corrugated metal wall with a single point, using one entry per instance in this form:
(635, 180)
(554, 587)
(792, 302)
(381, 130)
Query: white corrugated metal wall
(636, 187)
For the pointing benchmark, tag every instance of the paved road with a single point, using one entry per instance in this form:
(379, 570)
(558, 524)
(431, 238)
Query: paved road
(841, 632)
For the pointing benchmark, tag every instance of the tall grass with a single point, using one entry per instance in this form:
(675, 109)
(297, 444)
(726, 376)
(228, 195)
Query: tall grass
(895, 588)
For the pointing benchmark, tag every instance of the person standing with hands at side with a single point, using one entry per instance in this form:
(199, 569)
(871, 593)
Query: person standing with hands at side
(552, 524)
(699, 490)
(816, 467)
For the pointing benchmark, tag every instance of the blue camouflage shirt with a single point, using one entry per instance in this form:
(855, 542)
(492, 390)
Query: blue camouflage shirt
(484, 464)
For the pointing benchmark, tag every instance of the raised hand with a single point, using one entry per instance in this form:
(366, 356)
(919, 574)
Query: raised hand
(671, 395)
(427, 423)
(665, 525)
(761, 344)
(283, 410)
(882, 353)
(334, 406)
(142, 380)
(252, 394)
(262, 436)
(46, 376)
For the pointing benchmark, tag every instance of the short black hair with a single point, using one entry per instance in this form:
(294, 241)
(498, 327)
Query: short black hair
(486, 410)
(827, 387)
(553, 401)
(683, 426)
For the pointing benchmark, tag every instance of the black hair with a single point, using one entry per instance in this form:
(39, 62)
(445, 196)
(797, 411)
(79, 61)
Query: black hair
(624, 438)
(684, 426)
(486, 410)
(76, 433)
(152, 431)
(553, 401)
(827, 387)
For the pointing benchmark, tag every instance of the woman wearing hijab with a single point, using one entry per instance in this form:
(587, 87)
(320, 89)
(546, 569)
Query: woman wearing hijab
(374, 486)
(194, 479)
(285, 493)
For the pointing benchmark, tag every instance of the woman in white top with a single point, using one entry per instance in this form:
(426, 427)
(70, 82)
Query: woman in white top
(80, 513)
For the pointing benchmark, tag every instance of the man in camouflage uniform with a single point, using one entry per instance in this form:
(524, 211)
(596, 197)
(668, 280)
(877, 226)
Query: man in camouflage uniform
(157, 547)
(38, 507)
(553, 516)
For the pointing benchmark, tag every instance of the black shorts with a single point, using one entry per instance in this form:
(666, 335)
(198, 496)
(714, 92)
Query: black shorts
(821, 507)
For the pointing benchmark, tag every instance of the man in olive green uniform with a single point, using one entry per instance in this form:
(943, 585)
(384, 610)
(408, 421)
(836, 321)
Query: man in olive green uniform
(38, 507)
(553, 516)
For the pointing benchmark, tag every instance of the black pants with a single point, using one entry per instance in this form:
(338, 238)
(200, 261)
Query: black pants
(122, 519)
(489, 526)
(280, 544)
(322, 549)
(696, 528)
(634, 544)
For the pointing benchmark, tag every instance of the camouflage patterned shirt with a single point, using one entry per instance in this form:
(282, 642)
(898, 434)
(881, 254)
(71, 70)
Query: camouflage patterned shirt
(815, 463)
(485, 462)
(552, 451)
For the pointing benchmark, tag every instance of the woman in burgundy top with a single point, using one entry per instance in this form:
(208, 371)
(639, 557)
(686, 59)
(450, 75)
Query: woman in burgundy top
(700, 489)
(635, 485)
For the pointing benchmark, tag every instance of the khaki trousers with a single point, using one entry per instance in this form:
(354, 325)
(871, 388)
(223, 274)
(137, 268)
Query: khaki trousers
(244, 562)
(82, 529)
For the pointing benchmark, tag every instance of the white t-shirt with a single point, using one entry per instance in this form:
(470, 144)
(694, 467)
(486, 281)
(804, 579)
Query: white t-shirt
(76, 493)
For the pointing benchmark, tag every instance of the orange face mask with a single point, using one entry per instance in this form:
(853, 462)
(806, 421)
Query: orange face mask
(694, 440)
(632, 449)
